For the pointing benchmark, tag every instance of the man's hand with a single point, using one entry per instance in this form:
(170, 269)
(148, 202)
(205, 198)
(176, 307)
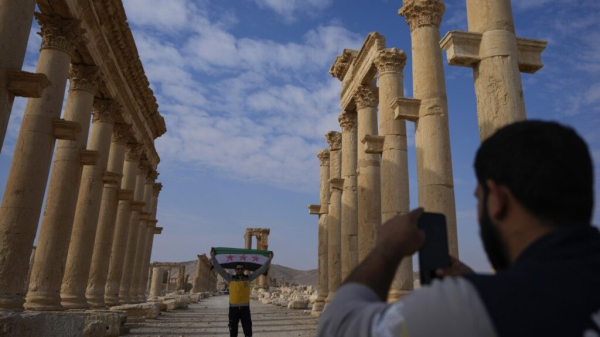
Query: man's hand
(456, 268)
(271, 255)
(212, 254)
(400, 236)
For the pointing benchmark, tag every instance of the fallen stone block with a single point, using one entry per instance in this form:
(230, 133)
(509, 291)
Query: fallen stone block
(112, 320)
(94, 329)
(146, 310)
(175, 304)
(298, 304)
(162, 306)
(21, 324)
(266, 301)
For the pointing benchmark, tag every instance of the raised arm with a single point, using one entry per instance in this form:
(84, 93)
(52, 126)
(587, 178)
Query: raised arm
(262, 269)
(225, 275)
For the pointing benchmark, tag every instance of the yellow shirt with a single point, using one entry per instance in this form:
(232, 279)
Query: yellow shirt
(239, 292)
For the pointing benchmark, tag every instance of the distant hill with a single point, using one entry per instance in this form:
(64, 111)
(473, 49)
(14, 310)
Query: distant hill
(304, 277)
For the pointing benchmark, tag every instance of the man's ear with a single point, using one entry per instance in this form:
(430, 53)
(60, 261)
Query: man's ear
(497, 201)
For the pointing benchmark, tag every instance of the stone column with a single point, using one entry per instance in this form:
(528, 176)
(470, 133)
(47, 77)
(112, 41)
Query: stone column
(369, 180)
(334, 217)
(264, 245)
(26, 181)
(248, 239)
(111, 195)
(137, 206)
(14, 33)
(81, 248)
(156, 287)
(349, 242)
(181, 278)
(61, 201)
(394, 160)
(117, 255)
(496, 55)
(197, 276)
(151, 230)
(322, 285)
(142, 230)
(432, 133)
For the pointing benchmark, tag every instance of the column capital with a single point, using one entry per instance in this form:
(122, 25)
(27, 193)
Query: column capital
(121, 133)
(84, 77)
(366, 97)
(390, 60)
(156, 188)
(143, 166)
(342, 64)
(323, 156)
(58, 33)
(422, 12)
(334, 139)
(348, 121)
(105, 110)
(152, 176)
(134, 152)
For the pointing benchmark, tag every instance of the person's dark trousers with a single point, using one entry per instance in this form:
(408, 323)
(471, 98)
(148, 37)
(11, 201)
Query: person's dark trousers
(235, 315)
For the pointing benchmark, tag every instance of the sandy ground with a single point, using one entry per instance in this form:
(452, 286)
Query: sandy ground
(209, 318)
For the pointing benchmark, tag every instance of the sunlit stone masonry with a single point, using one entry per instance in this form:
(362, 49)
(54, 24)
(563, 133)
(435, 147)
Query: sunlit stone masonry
(101, 192)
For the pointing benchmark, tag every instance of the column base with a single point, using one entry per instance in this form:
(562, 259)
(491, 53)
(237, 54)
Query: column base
(11, 302)
(71, 302)
(111, 301)
(43, 302)
(95, 301)
(318, 306)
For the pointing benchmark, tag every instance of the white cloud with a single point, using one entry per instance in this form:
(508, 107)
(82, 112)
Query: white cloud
(290, 9)
(160, 14)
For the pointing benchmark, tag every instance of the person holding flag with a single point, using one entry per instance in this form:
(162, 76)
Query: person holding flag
(239, 283)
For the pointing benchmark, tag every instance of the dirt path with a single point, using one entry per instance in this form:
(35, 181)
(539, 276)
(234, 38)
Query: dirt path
(209, 318)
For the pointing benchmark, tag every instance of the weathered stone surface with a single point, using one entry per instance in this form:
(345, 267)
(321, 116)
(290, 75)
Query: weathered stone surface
(298, 304)
(94, 329)
(61, 324)
(21, 324)
(146, 310)
(176, 304)
(111, 320)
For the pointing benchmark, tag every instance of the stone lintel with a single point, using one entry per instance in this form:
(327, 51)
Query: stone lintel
(362, 71)
(137, 205)
(111, 177)
(158, 230)
(145, 215)
(125, 194)
(314, 209)
(336, 184)
(26, 84)
(464, 49)
(89, 157)
(373, 144)
(406, 108)
(66, 130)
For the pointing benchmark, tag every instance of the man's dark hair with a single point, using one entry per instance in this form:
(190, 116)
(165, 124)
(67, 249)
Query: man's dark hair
(545, 165)
(240, 264)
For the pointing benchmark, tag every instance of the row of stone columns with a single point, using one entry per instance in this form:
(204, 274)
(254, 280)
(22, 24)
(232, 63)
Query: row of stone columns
(77, 237)
(381, 188)
(262, 243)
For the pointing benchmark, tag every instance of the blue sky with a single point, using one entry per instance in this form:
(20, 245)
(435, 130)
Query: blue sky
(247, 98)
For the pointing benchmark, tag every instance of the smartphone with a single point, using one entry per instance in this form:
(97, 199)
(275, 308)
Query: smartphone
(434, 252)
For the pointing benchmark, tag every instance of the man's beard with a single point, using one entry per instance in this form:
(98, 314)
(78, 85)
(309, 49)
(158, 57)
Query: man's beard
(493, 244)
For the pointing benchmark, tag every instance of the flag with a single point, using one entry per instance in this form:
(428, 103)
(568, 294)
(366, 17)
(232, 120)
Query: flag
(252, 259)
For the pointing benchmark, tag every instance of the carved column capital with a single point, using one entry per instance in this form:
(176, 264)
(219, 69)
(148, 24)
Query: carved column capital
(366, 97)
(105, 110)
(323, 156)
(121, 133)
(390, 60)
(134, 152)
(348, 121)
(152, 176)
(334, 139)
(342, 64)
(156, 188)
(58, 33)
(422, 12)
(143, 166)
(84, 77)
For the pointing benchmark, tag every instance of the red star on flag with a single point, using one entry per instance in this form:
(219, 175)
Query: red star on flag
(230, 258)
(254, 258)
(243, 257)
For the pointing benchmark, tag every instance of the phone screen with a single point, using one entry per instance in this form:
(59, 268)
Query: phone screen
(434, 252)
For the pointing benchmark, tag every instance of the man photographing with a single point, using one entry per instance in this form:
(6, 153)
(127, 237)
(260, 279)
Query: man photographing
(535, 203)
(239, 294)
